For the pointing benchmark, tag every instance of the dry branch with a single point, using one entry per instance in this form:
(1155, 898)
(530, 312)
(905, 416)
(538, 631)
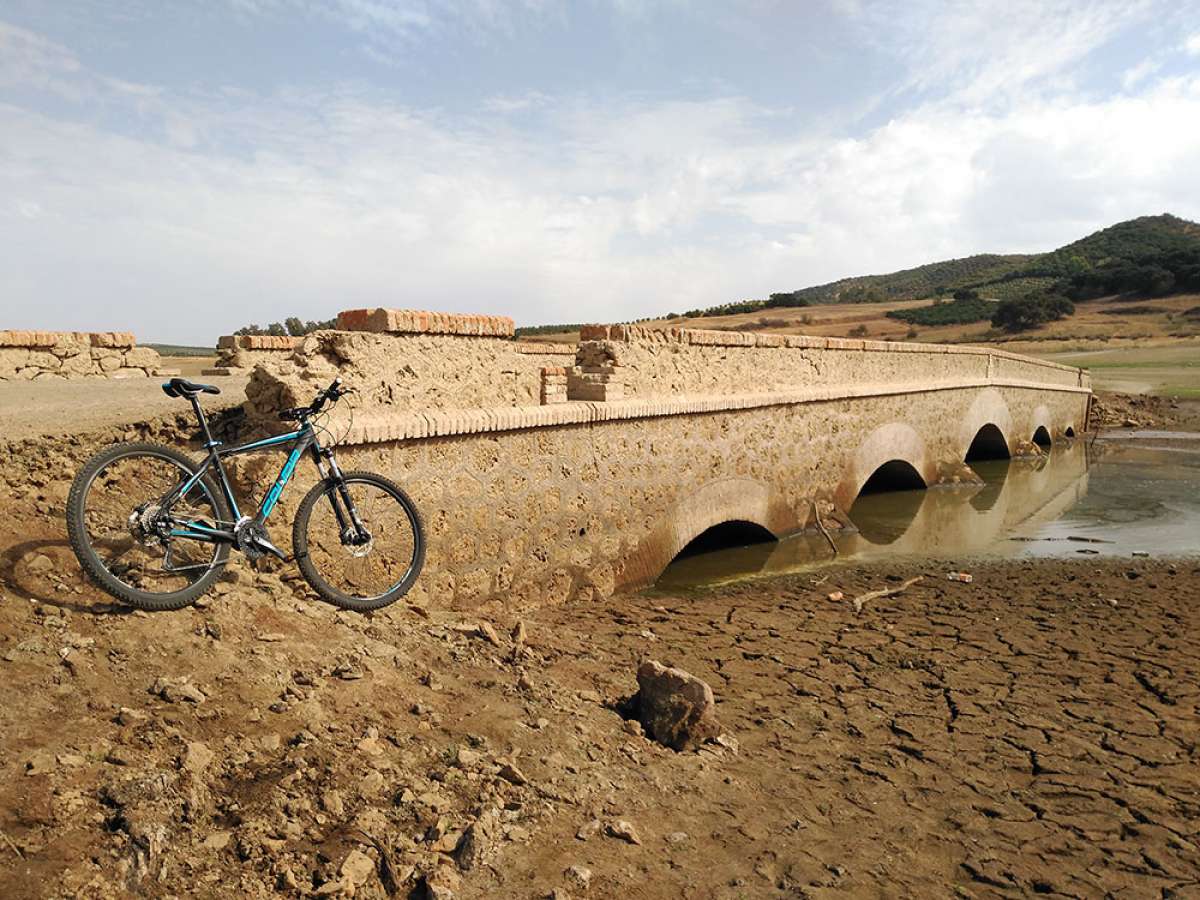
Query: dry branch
(861, 600)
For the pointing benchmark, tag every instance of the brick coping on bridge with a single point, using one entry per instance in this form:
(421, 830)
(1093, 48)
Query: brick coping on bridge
(438, 423)
(705, 337)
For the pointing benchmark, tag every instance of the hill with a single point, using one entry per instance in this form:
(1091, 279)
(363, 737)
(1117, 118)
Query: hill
(1165, 241)
(1151, 254)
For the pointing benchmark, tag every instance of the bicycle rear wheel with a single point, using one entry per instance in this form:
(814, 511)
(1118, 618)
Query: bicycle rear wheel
(366, 576)
(111, 521)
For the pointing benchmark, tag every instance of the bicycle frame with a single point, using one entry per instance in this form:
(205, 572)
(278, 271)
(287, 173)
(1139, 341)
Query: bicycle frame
(304, 438)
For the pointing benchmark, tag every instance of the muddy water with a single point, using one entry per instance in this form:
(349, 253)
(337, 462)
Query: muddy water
(1124, 493)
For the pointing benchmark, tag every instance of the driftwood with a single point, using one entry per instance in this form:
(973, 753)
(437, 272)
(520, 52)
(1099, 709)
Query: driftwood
(9, 841)
(821, 526)
(861, 600)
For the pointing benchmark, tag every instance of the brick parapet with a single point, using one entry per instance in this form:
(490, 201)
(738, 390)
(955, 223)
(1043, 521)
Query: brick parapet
(544, 348)
(701, 337)
(281, 343)
(665, 362)
(413, 321)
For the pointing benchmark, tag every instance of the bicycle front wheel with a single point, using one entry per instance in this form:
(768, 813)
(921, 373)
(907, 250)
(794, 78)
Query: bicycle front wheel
(354, 574)
(113, 516)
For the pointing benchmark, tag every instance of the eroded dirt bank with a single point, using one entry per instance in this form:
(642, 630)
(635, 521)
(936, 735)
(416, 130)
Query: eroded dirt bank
(1034, 731)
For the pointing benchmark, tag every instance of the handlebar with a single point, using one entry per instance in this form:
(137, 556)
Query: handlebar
(334, 392)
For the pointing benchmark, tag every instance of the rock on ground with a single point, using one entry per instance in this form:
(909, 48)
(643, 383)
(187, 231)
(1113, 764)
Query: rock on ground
(675, 707)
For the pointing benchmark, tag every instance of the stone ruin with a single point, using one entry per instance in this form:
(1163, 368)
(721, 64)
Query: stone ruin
(64, 355)
(407, 361)
(238, 354)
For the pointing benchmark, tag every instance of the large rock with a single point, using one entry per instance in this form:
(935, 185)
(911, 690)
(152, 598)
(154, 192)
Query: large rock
(675, 707)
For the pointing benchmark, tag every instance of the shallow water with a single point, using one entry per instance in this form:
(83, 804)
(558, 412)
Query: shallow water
(1124, 493)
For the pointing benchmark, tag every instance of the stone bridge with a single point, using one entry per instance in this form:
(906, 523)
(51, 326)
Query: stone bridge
(549, 472)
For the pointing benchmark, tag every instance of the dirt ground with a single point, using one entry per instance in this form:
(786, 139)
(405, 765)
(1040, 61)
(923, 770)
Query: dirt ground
(1034, 731)
(30, 409)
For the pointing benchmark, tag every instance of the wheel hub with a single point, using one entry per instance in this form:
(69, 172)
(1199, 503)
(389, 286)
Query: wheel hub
(143, 523)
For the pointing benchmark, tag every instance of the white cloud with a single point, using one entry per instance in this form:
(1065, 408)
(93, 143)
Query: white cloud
(1135, 75)
(992, 49)
(228, 206)
(1192, 44)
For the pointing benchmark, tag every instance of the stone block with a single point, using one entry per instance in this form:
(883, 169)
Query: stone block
(111, 339)
(143, 357)
(593, 333)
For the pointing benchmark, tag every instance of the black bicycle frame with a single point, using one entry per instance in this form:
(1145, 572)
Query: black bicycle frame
(304, 438)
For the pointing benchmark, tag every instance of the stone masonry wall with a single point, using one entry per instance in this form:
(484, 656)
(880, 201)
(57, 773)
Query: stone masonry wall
(62, 355)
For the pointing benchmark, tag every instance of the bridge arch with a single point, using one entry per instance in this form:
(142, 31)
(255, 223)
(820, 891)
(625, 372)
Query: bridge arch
(887, 446)
(989, 443)
(989, 408)
(729, 500)
(893, 475)
(1040, 420)
(1041, 437)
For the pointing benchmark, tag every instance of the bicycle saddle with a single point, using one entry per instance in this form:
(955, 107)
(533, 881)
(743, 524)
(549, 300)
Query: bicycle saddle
(181, 387)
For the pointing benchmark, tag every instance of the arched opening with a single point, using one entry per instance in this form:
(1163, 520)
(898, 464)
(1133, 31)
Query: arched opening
(894, 475)
(1041, 437)
(989, 443)
(726, 536)
(888, 502)
(1070, 432)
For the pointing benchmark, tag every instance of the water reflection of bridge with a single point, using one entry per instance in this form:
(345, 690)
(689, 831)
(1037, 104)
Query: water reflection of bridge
(946, 521)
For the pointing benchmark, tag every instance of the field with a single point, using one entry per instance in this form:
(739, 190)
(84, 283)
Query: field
(1169, 370)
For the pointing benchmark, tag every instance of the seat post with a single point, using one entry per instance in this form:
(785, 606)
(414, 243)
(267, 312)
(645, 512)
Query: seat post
(208, 438)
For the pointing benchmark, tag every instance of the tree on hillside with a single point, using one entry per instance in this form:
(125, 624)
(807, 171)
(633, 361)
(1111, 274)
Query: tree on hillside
(1030, 311)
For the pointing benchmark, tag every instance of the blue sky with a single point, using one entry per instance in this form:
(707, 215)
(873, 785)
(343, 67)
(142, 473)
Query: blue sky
(183, 168)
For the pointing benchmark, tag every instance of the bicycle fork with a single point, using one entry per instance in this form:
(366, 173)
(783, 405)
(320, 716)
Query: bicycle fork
(351, 529)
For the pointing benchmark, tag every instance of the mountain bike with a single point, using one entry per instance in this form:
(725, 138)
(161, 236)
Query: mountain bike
(154, 529)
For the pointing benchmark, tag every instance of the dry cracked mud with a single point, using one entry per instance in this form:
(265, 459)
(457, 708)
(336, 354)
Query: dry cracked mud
(1034, 731)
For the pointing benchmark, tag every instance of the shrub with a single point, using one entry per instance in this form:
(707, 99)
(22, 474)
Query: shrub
(1031, 311)
(858, 331)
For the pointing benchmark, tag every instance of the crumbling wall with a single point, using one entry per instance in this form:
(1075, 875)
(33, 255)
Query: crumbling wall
(62, 355)
(237, 354)
(403, 361)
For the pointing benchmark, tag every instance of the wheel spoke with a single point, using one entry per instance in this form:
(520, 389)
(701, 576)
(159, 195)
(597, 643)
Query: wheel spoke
(368, 570)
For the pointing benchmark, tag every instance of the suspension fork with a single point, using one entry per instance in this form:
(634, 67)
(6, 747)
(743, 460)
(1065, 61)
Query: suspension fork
(345, 529)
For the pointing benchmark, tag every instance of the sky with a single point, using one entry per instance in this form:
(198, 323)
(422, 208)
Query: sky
(180, 168)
